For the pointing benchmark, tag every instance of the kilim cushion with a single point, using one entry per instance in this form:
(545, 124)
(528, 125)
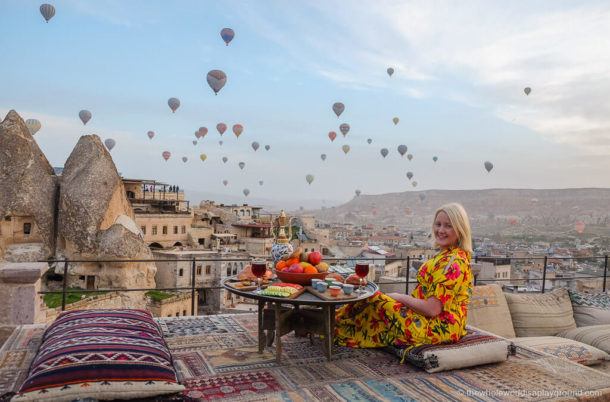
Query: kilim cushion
(594, 335)
(590, 308)
(541, 314)
(103, 354)
(474, 349)
(489, 311)
(564, 348)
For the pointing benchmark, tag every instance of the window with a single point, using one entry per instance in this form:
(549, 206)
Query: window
(154, 230)
(201, 241)
(208, 269)
(198, 269)
(178, 314)
(164, 230)
(27, 228)
(183, 229)
(175, 229)
(183, 312)
(229, 268)
(181, 272)
(143, 228)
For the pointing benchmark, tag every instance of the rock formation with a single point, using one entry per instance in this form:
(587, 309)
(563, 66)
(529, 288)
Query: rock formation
(27, 191)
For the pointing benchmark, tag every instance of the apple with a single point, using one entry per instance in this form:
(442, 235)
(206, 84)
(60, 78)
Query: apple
(315, 257)
(295, 268)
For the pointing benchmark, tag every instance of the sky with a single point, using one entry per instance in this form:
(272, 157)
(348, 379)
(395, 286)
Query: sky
(458, 90)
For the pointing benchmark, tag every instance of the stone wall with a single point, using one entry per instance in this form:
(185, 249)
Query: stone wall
(175, 306)
(111, 300)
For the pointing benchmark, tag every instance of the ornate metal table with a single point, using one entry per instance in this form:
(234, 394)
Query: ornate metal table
(295, 318)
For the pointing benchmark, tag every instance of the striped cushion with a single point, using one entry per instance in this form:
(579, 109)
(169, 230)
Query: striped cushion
(474, 349)
(541, 314)
(104, 354)
(564, 348)
(594, 335)
(590, 308)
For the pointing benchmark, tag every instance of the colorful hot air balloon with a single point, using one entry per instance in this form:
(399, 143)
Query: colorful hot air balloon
(402, 150)
(220, 143)
(84, 116)
(409, 156)
(369, 140)
(150, 134)
(323, 157)
(110, 143)
(344, 128)
(246, 192)
(384, 152)
(390, 71)
(332, 135)
(338, 108)
(267, 147)
(194, 142)
(255, 146)
(358, 192)
(47, 11)
(227, 35)
(414, 183)
(260, 182)
(395, 120)
(202, 131)
(579, 226)
(225, 182)
(203, 157)
(527, 90)
(242, 165)
(174, 104)
(309, 178)
(216, 80)
(221, 127)
(345, 149)
(237, 129)
(488, 166)
(409, 175)
(166, 155)
(224, 159)
(197, 135)
(33, 125)
(185, 159)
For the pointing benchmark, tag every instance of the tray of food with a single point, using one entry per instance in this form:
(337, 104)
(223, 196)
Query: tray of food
(283, 290)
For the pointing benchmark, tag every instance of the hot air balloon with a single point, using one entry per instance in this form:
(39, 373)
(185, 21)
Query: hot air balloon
(301, 208)
(260, 182)
(579, 226)
(435, 158)
(166, 155)
(185, 159)
(227, 35)
(488, 166)
(358, 192)
(225, 182)
(309, 178)
(220, 143)
(384, 152)
(395, 120)
(242, 165)
(422, 196)
(369, 140)
(409, 156)
(221, 127)
(224, 159)
(344, 128)
(47, 11)
(150, 134)
(194, 142)
(110, 143)
(527, 90)
(409, 175)
(246, 192)
(332, 135)
(390, 71)
(174, 104)
(267, 147)
(414, 183)
(255, 146)
(203, 157)
(323, 156)
(197, 135)
(33, 125)
(85, 116)
(237, 129)
(216, 80)
(202, 131)
(338, 108)
(402, 150)
(345, 149)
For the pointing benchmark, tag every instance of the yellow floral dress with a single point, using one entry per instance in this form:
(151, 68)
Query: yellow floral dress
(382, 321)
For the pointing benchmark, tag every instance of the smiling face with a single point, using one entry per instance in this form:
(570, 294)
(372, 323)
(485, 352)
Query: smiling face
(444, 233)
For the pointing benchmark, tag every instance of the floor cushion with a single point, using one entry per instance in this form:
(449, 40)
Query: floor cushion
(594, 335)
(475, 348)
(590, 308)
(102, 354)
(541, 314)
(489, 311)
(564, 348)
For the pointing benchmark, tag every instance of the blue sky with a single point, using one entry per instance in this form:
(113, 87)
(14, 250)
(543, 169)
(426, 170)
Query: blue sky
(458, 91)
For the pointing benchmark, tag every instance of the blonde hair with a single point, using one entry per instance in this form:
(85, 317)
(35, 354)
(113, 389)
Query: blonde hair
(459, 220)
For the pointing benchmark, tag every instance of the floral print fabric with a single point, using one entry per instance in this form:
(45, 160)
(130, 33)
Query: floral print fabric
(382, 321)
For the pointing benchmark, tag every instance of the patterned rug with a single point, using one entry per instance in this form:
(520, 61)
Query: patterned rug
(217, 358)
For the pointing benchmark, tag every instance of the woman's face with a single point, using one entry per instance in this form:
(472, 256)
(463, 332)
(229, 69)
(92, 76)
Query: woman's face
(444, 233)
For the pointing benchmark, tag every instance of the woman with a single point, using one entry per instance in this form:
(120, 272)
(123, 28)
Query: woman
(436, 310)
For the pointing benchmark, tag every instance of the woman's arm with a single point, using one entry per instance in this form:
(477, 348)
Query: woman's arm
(431, 307)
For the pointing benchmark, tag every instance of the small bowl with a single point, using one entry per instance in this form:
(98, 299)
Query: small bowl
(321, 286)
(314, 281)
(334, 291)
(329, 281)
(348, 288)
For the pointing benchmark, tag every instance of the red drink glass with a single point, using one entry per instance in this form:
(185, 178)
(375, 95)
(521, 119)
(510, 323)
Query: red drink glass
(259, 268)
(362, 270)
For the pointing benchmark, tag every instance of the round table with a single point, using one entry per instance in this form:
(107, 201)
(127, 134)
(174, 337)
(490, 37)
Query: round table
(280, 327)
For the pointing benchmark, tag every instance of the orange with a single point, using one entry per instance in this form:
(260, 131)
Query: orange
(310, 269)
(292, 261)
(281, 265)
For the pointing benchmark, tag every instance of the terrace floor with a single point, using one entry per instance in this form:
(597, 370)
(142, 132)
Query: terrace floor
(216, 357)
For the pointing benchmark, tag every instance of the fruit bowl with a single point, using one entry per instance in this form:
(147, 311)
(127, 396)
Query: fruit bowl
(301, 279)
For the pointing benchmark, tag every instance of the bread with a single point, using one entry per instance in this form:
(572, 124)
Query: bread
(355, 280)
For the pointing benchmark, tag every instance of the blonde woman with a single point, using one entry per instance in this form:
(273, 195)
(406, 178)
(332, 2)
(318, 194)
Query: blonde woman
(436, 310)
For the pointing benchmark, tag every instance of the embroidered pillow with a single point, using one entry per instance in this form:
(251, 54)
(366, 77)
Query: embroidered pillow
(565, 349)
(590, 308)
(489, 311)
(102, 354)
(595, 335)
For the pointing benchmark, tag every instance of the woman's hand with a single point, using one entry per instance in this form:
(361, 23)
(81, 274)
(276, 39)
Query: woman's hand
(430, 307)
